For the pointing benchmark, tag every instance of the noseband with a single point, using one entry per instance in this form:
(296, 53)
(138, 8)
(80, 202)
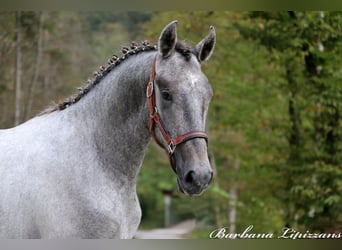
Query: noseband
(155, 119)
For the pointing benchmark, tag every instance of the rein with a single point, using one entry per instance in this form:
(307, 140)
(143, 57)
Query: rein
(155, 119)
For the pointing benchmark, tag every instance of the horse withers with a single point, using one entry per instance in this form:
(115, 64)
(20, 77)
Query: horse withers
(70, 172)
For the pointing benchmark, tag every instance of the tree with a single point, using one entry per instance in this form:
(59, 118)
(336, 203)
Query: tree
(307, 45)
(17, 83)
(33, 83)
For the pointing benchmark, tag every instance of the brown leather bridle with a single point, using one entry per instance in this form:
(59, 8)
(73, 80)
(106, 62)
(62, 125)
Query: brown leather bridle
(155, 119)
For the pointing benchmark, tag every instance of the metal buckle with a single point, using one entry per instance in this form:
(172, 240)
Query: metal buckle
(149, 90)
(171, 148)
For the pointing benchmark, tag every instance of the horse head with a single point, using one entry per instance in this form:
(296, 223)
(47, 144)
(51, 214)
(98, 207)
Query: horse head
(179, 96)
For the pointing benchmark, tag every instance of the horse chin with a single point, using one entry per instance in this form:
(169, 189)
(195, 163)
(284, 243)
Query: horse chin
(180, 189)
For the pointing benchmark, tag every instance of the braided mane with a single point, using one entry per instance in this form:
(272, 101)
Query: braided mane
(114, 61)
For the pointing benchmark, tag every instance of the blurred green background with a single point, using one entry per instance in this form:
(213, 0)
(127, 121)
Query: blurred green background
(274, 124)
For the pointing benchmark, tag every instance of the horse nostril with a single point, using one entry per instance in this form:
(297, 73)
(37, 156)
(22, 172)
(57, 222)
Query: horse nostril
(192, 179)
(195, 181)
(211, 177)
(189, 178)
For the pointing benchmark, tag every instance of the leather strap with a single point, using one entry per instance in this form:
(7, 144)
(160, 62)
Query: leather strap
(171, 143)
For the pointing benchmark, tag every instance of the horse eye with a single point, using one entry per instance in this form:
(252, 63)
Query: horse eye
(166, 95)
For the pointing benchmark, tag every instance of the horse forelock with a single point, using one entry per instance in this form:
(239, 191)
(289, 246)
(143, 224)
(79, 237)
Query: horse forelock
(184, 49)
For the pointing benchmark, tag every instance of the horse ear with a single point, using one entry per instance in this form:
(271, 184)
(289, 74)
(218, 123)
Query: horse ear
(205, 48)
(168, 39)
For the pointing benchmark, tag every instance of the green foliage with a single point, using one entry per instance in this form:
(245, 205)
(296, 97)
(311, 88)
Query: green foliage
(274, 123)
(307, 45)
(130, 20)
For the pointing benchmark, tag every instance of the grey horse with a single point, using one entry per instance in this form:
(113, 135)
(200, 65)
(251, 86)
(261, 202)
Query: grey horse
(71, 171)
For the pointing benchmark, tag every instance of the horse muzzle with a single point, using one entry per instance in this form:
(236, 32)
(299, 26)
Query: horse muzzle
(195, 181)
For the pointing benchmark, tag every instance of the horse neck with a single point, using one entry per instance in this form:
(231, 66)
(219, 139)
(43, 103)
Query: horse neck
(115, 115)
